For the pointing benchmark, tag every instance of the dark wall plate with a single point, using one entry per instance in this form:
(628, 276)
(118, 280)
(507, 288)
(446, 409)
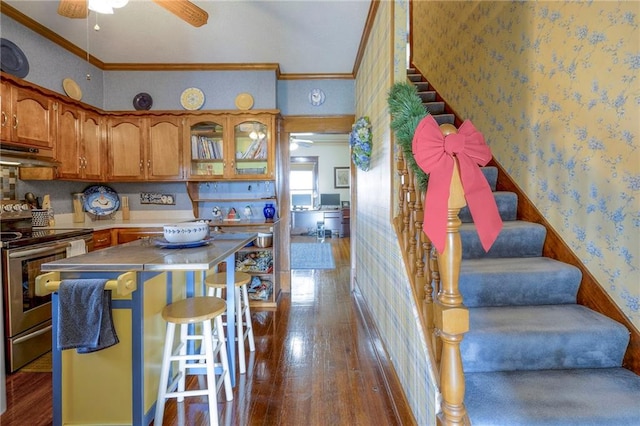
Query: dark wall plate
(142, 101)
(12, 59)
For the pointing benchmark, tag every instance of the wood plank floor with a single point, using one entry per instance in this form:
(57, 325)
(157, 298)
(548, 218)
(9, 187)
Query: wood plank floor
(314, 364)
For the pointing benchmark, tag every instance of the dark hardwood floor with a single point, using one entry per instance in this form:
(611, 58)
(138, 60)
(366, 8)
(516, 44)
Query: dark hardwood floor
(314, 364)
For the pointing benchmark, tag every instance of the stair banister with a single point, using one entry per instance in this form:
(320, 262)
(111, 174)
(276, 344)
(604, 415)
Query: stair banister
(452, 318)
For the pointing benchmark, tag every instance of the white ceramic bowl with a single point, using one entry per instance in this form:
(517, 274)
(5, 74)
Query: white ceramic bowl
(188, 232)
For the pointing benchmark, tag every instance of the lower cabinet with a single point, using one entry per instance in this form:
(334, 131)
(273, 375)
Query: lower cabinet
(102, 239)
(126, 235)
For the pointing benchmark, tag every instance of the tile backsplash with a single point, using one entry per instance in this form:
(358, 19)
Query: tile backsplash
(8, 181)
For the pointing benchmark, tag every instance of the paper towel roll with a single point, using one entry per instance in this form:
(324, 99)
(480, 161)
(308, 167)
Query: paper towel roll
(76, 247)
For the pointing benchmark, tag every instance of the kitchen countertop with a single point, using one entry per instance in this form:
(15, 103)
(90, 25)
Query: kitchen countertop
(144, 255)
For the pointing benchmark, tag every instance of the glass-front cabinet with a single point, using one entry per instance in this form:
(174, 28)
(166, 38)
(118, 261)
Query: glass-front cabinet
(207, 148)
(239, 147)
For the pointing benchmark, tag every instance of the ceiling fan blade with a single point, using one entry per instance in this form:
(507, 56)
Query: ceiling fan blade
(185, 10)
(304, 143)
(76, 9)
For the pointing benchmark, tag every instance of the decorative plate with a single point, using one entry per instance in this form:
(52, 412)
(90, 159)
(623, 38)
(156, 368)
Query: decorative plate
(101, 200)
(244, 101)
(12, 59)
(142, 101)
(161, 242)
(72, 89)
(192, 98)
(316, 97)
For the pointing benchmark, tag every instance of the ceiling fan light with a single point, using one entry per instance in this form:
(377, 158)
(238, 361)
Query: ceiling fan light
(100, 6)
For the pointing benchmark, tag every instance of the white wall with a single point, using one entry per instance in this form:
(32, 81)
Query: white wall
(329, 155)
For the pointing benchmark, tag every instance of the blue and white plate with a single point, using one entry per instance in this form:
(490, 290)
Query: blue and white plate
(101, 200)
(163, 243)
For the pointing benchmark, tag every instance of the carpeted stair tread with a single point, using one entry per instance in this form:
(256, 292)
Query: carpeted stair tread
(579, 397)
(518, 282)
(444, 118)
(491, 174)
(517, 239)
(540, 338)
(507, 203)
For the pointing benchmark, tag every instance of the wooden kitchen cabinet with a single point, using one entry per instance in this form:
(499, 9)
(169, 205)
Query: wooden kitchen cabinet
(102, 239)
(28, 118)
(126, 235)
(80, 149)
(231, 146)
(144, 148)
(164, 148)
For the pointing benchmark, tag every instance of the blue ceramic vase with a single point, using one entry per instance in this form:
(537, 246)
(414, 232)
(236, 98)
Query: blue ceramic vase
(269, 211)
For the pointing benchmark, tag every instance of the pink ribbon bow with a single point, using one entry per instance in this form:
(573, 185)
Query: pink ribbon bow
(434, 154)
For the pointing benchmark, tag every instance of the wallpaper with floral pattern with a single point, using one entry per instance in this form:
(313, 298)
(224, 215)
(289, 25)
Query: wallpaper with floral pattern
(554, 87)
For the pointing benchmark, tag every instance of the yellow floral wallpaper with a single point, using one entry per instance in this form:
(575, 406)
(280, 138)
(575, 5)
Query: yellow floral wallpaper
(554, 87)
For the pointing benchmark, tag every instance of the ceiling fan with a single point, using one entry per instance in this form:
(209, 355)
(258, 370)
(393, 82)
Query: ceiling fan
(295, 143)
(183, 9)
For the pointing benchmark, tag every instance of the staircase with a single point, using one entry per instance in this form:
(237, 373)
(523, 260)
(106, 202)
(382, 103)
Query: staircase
(437, 108)
(532, 355)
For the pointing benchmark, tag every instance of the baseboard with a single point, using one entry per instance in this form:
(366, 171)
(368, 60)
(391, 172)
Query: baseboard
(401, 407)
(591, 294)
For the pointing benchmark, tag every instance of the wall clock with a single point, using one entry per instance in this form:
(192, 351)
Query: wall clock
(316, 97)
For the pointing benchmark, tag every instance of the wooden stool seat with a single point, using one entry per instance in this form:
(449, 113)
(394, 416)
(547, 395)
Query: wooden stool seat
(194, 309)
(219, 279)
(211, 355)
(244, 330)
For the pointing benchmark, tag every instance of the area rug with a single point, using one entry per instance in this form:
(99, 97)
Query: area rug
(312, 256)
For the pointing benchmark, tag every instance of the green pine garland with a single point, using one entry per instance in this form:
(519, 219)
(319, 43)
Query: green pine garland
(407, 111)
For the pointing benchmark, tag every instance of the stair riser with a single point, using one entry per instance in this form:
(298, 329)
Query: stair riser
(517, 239)
(507, 203)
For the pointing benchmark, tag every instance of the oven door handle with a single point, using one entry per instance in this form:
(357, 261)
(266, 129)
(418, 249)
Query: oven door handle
(36, 251)
(32, 335)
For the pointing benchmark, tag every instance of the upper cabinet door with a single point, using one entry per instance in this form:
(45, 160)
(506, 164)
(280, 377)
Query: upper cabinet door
(206, 146)
(164, 150)
(28, 118)
(253, 147)
(126, 140)
(68, 150)
(93, 148)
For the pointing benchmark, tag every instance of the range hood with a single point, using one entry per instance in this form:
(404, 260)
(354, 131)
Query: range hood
(24, 157)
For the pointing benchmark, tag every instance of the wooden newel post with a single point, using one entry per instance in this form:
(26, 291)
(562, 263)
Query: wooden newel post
(452, 318)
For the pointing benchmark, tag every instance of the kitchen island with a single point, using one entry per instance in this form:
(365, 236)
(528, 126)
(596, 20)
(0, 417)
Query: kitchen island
(118, 385)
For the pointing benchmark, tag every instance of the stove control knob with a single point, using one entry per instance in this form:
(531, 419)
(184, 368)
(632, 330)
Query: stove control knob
(16, 207)
(7, 207)
(24, 207)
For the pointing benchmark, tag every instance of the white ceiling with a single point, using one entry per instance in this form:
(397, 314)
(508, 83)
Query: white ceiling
(302, 36)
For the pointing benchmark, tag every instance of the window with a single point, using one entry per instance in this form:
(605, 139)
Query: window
(303, 182)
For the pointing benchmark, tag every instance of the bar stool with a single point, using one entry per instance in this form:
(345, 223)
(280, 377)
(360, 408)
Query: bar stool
(190, 312)
(216, 283)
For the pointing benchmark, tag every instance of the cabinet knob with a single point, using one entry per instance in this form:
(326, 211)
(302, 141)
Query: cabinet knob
(15, 121)
(148, 164)
(4, 119)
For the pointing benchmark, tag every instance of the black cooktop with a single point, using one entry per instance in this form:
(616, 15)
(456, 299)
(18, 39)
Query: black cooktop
(27, 237)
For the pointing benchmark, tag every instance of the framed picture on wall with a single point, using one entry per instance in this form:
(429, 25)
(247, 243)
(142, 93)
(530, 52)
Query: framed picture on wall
(341, 177)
